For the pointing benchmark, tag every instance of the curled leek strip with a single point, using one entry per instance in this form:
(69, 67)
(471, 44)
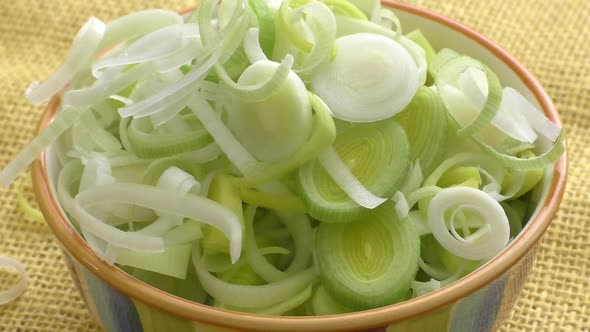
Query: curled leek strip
(232, 148)
(261, 90)
(364, 81)
(84, 46)
(104, 88)
(301, 232)
(473, 83)
(14, 291)
(322, 24)
(252, 46)
(533, 116)
(170, 93)
(266, 23)
(245, 296)
(369, 262)
(449, 73)
(169, 40)
(188, 206)
(485, 245)
(150, 143)
(61, 122)
(137, 24)
(287, 23)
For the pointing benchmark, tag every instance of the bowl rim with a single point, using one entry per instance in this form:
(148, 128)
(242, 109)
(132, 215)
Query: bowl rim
(74, 244)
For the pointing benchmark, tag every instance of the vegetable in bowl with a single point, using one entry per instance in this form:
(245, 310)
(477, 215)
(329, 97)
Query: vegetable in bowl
(231, 138)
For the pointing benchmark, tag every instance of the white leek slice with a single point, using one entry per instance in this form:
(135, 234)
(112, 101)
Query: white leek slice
(165, 201)
(137, 24)
(106, 87)
(275, 127)
(184, 56)
(84, 46)
(484, 246)
(232, 148)
(153, 46)
(252, 46)
(371, 78)
(112, 235)
(16, 290)
(170, 93)
(261, 90)
(508, 119)
(516, 102)
(321, 23)
(401, 205)
(61, 122)
(413, 180)
(341, 174)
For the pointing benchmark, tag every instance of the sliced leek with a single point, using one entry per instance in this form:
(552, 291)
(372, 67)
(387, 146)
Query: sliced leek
(306, 155)
(369, 262)
(364, 81)
(378, 157)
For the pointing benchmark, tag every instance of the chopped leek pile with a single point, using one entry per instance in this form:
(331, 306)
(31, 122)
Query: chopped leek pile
(300, 157)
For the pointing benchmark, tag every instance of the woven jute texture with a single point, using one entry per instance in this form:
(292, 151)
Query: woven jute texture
(550, 37)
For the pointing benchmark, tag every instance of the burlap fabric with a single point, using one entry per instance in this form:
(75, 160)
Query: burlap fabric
(550, 37)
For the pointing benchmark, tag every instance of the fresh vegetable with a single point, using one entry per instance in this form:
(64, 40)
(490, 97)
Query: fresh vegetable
(288, 157)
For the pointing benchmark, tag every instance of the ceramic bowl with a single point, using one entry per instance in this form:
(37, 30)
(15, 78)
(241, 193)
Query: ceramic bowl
(478, 302)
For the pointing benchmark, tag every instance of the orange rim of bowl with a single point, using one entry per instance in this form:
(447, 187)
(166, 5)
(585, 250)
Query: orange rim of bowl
(380, 317)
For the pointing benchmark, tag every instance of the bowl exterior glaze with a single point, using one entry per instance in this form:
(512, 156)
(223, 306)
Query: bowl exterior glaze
(482, 311)
(478, 302)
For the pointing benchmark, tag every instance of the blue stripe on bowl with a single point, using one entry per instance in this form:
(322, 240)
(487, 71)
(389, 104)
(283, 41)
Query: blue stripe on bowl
(479, 311)
(116, 311)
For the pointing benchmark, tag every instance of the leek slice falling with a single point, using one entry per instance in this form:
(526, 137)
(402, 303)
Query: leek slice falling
(369, 262)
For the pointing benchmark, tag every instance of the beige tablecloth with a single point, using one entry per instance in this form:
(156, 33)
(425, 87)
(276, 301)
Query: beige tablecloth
(550, 37)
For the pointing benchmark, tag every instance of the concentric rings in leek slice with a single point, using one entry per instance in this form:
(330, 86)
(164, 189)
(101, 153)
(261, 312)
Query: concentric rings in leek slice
(426, 124)
(378, 154)
(370, 262)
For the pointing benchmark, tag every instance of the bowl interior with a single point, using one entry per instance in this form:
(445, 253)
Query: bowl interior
(442, 33)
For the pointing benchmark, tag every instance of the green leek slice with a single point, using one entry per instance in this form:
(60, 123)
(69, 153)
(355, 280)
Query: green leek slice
(369, 262)
(425, 122)
(378, 156)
